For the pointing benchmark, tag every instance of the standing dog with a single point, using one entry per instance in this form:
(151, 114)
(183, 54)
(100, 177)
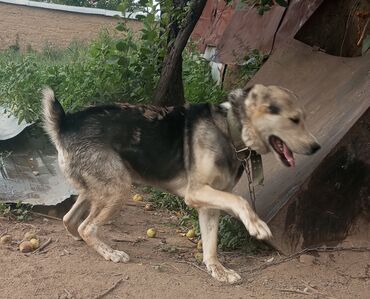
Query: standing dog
(185, 150)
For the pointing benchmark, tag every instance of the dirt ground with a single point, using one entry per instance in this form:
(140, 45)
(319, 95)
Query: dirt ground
(164, 267)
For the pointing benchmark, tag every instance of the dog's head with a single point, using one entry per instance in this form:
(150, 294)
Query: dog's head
(271, 120)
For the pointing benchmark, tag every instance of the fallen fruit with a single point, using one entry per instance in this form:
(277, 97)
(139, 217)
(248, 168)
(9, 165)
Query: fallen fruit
(6, 239)
(35, 243)
(198, 257)
(29, 235)
(200, 245)
(137, 197)
(25, 247)
(190, 233)
(149, 207)
(151, 232)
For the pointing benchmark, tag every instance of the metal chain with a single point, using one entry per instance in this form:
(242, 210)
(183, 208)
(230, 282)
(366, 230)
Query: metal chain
(248, 170)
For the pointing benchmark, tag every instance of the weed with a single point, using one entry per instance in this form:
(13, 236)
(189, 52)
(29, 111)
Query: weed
(16, 211)
(251, 64)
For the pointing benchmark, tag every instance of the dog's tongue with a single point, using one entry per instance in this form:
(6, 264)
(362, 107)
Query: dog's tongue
(289, 155)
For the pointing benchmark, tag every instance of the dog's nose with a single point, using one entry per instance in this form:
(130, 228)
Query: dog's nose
(315, 147)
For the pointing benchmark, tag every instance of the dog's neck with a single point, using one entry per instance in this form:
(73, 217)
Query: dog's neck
(235, 130)
(241, 136)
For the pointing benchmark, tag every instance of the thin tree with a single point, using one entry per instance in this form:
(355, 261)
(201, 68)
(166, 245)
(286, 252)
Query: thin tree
(170, 90)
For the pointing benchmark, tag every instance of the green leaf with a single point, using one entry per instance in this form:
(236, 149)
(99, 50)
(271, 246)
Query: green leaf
(121, 45)
(140, 17)
(282, 3)
(122, 7)
(123, 61)
(366, 44)
(120, 27)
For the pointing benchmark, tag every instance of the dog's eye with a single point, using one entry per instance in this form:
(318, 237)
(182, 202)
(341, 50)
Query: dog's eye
(273, 109)
(295, 120)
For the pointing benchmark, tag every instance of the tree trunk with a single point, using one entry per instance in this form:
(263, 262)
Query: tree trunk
(170, 90)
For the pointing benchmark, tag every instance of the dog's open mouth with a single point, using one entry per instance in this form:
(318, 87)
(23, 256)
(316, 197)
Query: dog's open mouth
(283, 151)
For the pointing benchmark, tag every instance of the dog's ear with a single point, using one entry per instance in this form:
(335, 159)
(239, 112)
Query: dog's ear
(238, 95)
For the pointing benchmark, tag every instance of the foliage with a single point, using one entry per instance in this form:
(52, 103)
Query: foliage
(107, 70)
(252, 63)
(262, 6)
(79, 76)
(198, 82)
(16, 211)
(163, 200)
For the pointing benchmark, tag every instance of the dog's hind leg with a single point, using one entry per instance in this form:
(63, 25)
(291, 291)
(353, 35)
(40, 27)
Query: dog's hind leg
(73, 218)
(104, 204)
(208, 221)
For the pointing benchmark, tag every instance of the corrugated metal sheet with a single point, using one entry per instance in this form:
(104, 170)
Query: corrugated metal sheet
(31, 173)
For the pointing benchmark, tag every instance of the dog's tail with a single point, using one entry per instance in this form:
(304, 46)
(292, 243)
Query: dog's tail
(53, 115)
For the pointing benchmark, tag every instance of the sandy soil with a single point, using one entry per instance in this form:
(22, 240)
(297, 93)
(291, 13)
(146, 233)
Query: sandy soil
(163, 267)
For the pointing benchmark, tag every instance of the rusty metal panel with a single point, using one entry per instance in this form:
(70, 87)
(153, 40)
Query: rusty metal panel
(334, 91)
(247, 30)
(297, 15)
(333, 206)
(212, 23)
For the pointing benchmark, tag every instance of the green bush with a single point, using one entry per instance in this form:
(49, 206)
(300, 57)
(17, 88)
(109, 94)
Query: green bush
(105, 71)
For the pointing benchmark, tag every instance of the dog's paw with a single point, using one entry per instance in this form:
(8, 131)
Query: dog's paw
(259, 229)
(116, 256)
(255, 226)
(223, 274)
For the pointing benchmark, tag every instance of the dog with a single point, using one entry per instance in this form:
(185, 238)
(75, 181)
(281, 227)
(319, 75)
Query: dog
(186, 150)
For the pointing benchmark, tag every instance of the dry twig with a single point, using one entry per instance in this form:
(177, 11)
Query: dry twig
(295, 291)
(43, 246)
(46, 216)
(137, 240)
(192, 264)
(110, 289)
(363, 33)
(297, 254)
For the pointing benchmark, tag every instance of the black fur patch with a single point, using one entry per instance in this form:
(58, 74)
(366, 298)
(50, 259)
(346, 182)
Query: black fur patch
(155, 153)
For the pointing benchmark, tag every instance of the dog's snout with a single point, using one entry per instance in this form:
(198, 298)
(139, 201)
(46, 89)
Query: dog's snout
(315, 147)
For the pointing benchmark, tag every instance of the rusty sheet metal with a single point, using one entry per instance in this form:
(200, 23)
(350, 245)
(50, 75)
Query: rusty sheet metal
(334, 91)
(333, 205)
(212, 23)
(31, 173)
(247, 30)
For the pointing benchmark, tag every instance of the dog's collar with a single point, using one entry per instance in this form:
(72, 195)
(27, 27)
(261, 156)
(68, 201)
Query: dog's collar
(244, 153)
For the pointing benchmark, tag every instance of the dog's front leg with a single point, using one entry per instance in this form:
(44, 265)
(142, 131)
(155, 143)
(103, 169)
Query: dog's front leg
(208, 221)
(207, 197)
